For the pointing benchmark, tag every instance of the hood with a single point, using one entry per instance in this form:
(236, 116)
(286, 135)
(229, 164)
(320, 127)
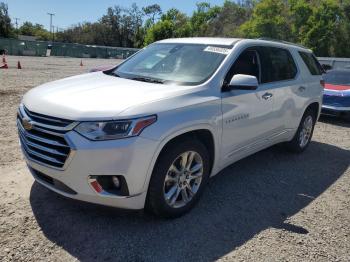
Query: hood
(95, 96)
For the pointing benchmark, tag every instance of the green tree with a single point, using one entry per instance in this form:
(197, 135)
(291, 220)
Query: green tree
(113, 21)
(301, 11)
(36, 30)
(324, 26)
(202, 17)
(5, 21)
(153, 12)
(161, 30)
(342, 37)
(270, 19)
(118, 27)
(172, 24)
(230, 17)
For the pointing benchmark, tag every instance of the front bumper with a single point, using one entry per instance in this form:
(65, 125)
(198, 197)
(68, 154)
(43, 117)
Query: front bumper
(335, 108)
(129, 158)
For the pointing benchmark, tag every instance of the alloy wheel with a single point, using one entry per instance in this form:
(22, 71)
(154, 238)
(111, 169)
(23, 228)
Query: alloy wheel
(305, 133)
(183, 179)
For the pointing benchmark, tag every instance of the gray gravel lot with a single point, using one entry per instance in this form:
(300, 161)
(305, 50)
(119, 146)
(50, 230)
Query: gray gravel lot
(272, 206)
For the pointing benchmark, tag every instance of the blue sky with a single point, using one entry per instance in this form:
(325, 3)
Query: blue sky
(70, 12)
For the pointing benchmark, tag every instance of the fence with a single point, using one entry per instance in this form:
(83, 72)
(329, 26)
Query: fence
(335, 62)
(39, 48)
(90, 51)
(23, 47)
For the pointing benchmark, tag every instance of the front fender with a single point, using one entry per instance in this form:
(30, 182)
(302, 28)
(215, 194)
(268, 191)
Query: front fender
(178, 132)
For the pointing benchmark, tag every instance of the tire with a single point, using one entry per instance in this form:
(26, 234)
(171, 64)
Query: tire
(346, 116)
(299, 142)
(169, 178)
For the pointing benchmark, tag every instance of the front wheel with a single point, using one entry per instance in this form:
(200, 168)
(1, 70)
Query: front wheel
(178, 179)
(303, 136)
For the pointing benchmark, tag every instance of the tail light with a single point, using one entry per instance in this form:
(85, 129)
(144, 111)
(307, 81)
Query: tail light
(322, 83)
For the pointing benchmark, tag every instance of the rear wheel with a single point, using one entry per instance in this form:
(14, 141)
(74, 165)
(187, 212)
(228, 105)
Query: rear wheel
(178, 179)
(303, 136)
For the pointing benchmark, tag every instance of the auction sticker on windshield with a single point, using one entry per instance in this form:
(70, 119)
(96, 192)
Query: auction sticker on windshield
(216, 49)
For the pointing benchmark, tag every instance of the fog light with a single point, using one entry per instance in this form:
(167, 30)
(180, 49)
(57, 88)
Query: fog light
(109, 185)
(116, 181)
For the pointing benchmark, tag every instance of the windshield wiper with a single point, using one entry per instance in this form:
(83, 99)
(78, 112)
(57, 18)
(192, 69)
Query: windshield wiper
(115, 74)
(148, 79)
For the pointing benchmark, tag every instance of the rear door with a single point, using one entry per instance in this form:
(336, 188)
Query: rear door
(281, 76)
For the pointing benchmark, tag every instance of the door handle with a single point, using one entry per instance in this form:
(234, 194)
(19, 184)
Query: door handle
(302, 88)
(267, 96)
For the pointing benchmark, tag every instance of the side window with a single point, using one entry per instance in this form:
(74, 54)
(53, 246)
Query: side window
(311, 62)
(247, 64)
(277, 64)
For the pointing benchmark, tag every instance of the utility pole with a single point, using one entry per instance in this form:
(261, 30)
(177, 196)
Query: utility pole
(16, 23)
(53, 33)
(51, 15)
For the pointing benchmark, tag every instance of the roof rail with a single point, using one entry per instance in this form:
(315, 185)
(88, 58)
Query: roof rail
(281, 41)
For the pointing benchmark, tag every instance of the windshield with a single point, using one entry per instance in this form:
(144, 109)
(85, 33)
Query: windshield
(185, 64)
(338, 77)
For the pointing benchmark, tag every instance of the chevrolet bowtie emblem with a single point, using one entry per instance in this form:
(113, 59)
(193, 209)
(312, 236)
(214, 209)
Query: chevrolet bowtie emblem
(27, 124)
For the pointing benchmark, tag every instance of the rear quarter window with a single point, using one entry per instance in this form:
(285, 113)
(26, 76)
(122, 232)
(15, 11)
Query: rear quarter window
(311, 62)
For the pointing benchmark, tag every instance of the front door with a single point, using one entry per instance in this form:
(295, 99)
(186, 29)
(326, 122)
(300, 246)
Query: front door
(247, 114)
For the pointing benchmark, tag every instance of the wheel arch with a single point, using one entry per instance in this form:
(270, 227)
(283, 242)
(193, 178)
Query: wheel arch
(204, 133)
(315, 107)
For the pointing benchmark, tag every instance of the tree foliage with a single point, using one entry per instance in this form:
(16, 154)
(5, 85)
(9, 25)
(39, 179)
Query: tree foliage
(269, 19)
(5, 21)
(322, 25)
(229, 18)
(118, 27)
(202, 17)
(152, 12)
(36, 30)
(172, 24)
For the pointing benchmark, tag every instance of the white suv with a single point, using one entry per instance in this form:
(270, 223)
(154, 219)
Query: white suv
(151, 131)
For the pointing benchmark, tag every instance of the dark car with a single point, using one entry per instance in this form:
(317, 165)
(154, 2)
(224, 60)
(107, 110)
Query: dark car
(336, 97)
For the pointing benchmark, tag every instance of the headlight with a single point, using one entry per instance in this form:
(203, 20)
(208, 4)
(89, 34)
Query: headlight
(108, 130)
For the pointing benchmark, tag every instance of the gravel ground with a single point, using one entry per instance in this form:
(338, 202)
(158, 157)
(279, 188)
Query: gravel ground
(272, 206)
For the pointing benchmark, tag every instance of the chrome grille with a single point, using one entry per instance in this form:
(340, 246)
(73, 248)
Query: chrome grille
(45, 141)
(47, 120)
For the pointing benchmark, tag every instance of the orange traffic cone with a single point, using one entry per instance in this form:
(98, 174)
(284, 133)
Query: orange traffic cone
(4, 66)
(81, 63)
(4, 59)
(19, 65)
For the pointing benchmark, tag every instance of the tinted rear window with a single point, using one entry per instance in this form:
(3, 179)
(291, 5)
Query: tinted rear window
(311, 62)
(337, 77)
(277, 64)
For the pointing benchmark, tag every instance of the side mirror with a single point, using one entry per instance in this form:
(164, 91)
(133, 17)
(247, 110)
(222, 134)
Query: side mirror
(243, 82)
(326, 67)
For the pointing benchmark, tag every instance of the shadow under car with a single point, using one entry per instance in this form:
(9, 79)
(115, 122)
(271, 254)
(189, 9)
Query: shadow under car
(249, 196)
